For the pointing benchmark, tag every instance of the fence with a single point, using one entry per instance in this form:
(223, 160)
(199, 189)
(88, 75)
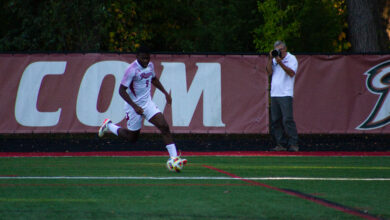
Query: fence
(57, 93)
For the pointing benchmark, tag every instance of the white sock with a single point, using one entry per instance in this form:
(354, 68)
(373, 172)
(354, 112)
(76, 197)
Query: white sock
(113, 128)
(172, 150)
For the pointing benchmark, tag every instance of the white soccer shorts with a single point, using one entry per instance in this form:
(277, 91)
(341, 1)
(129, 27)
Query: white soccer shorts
(134, 120)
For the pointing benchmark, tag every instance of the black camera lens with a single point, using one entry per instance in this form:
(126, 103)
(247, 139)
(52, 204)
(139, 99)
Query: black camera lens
(276, 53)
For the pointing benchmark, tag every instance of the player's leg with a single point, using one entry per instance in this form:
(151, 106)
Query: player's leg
(131, 136)
(154, 116)
(158, 120)
(134, 123)
(108, 126)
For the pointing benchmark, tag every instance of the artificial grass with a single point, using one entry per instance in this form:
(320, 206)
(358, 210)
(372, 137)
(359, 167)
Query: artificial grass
(207, 198)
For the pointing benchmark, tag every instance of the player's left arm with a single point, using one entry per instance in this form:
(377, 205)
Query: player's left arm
(156, 82)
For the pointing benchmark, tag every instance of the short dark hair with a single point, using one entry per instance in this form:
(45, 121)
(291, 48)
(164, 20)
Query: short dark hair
(143, 49)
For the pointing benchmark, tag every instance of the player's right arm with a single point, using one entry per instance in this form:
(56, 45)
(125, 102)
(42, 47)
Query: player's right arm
(126, 97)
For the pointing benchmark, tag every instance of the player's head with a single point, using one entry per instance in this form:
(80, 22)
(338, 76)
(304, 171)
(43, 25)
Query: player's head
(143, 56)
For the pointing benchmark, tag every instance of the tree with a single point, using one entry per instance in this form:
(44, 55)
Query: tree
(125, 30)
(192, 25)
(31, 25)
(366, 30)
(121, 25)
(280, 24)
(305, 25)
(200, 25)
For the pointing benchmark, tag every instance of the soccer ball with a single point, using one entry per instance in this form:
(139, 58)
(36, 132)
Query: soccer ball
(175, 164)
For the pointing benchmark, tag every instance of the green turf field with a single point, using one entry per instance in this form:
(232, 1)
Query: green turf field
(142, 188)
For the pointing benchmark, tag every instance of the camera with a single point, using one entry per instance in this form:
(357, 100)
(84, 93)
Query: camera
(276, 53)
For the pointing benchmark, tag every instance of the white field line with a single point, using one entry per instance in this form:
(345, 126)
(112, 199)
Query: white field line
(185, 178)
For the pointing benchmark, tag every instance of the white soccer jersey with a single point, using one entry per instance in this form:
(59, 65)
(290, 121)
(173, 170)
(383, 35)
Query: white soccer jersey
(138, 82)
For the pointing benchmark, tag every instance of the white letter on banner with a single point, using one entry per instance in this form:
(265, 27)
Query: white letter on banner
(26, 112)
(87, 98)
(206, 80)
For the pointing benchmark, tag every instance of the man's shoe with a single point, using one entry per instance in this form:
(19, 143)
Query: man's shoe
(104, 127)
(279, 148)
(293, 148)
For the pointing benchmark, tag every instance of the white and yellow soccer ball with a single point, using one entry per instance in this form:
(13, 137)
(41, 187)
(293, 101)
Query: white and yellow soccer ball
(175, 164)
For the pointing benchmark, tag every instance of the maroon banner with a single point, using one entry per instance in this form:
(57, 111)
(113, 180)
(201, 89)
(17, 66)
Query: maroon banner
(343, 94)
(211, 94)
(76, 92)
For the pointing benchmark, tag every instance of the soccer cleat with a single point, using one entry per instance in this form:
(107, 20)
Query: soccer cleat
(104, 127)
(184, 161)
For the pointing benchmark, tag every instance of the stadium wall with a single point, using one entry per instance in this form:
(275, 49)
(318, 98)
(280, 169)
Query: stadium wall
(212, 94)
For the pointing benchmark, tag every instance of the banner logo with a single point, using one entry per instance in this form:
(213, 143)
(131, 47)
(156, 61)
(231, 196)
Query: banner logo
(378, 82)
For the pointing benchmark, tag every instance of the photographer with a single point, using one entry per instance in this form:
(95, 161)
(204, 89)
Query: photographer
(283, 66)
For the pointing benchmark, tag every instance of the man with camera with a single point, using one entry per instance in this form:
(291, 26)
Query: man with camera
(283, 66)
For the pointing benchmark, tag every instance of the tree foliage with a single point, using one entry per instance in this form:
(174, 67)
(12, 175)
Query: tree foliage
(306, 25)
(121, 25)
(199, 25)
(124, 33)
(53, 25)
(173, 25)
(280, 24)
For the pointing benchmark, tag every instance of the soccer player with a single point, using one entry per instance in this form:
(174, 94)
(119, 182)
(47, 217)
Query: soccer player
(135, 90)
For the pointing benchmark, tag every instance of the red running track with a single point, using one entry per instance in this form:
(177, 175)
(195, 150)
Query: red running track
(164, 153)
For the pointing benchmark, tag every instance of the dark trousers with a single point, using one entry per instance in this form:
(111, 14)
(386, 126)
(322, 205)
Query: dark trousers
(283, 127)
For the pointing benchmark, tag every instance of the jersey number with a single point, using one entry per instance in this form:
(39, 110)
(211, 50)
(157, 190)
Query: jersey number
(147, 83)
